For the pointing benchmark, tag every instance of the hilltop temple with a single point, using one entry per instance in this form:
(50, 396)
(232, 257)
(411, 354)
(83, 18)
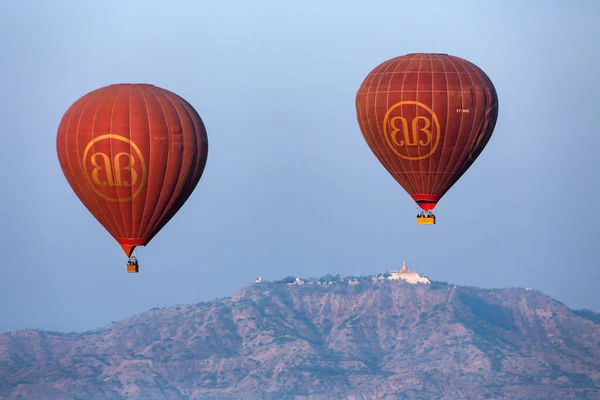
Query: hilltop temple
(409, 276)
(404, 274)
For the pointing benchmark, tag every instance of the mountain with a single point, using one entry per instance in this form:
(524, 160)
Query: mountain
(352, 338)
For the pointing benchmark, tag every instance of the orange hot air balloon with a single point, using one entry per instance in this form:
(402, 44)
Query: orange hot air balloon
(427, 117)
(133, 154)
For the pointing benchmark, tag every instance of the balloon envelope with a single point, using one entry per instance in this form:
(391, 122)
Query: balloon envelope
(133, 154)
(427, 117)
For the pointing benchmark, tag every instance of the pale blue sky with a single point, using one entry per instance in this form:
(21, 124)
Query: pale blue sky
(290, 187)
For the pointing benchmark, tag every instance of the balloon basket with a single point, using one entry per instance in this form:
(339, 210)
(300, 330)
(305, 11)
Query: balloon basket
(132, 268)
(426, 218)
(132, 265)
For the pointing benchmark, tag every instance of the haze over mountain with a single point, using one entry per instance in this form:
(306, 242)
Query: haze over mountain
(353, 338)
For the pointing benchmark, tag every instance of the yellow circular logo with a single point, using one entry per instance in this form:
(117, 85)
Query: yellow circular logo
(411, 130)
(117, 172)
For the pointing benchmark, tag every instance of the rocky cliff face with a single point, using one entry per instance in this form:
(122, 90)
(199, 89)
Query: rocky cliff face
(368, 340)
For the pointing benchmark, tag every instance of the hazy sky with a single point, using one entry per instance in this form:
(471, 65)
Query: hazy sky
(290, 186)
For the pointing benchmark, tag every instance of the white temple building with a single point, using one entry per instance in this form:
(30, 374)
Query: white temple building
(409, 276)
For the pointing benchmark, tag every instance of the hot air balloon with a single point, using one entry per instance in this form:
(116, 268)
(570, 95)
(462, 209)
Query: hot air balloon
(133, 154)
(427, 117)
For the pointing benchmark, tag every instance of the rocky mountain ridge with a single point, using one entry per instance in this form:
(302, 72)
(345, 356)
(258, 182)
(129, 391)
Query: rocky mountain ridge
(368, 339)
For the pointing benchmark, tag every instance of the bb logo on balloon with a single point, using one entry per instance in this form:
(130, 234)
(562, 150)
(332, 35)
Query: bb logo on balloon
(411, 130)
(115, 172)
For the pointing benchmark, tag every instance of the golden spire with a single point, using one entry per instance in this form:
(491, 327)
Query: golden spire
(404, 269)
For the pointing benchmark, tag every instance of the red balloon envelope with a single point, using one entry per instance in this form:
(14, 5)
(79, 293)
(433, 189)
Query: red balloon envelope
(427, 117)
(133, 154)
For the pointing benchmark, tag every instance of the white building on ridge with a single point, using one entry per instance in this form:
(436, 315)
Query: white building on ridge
(408, 276)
